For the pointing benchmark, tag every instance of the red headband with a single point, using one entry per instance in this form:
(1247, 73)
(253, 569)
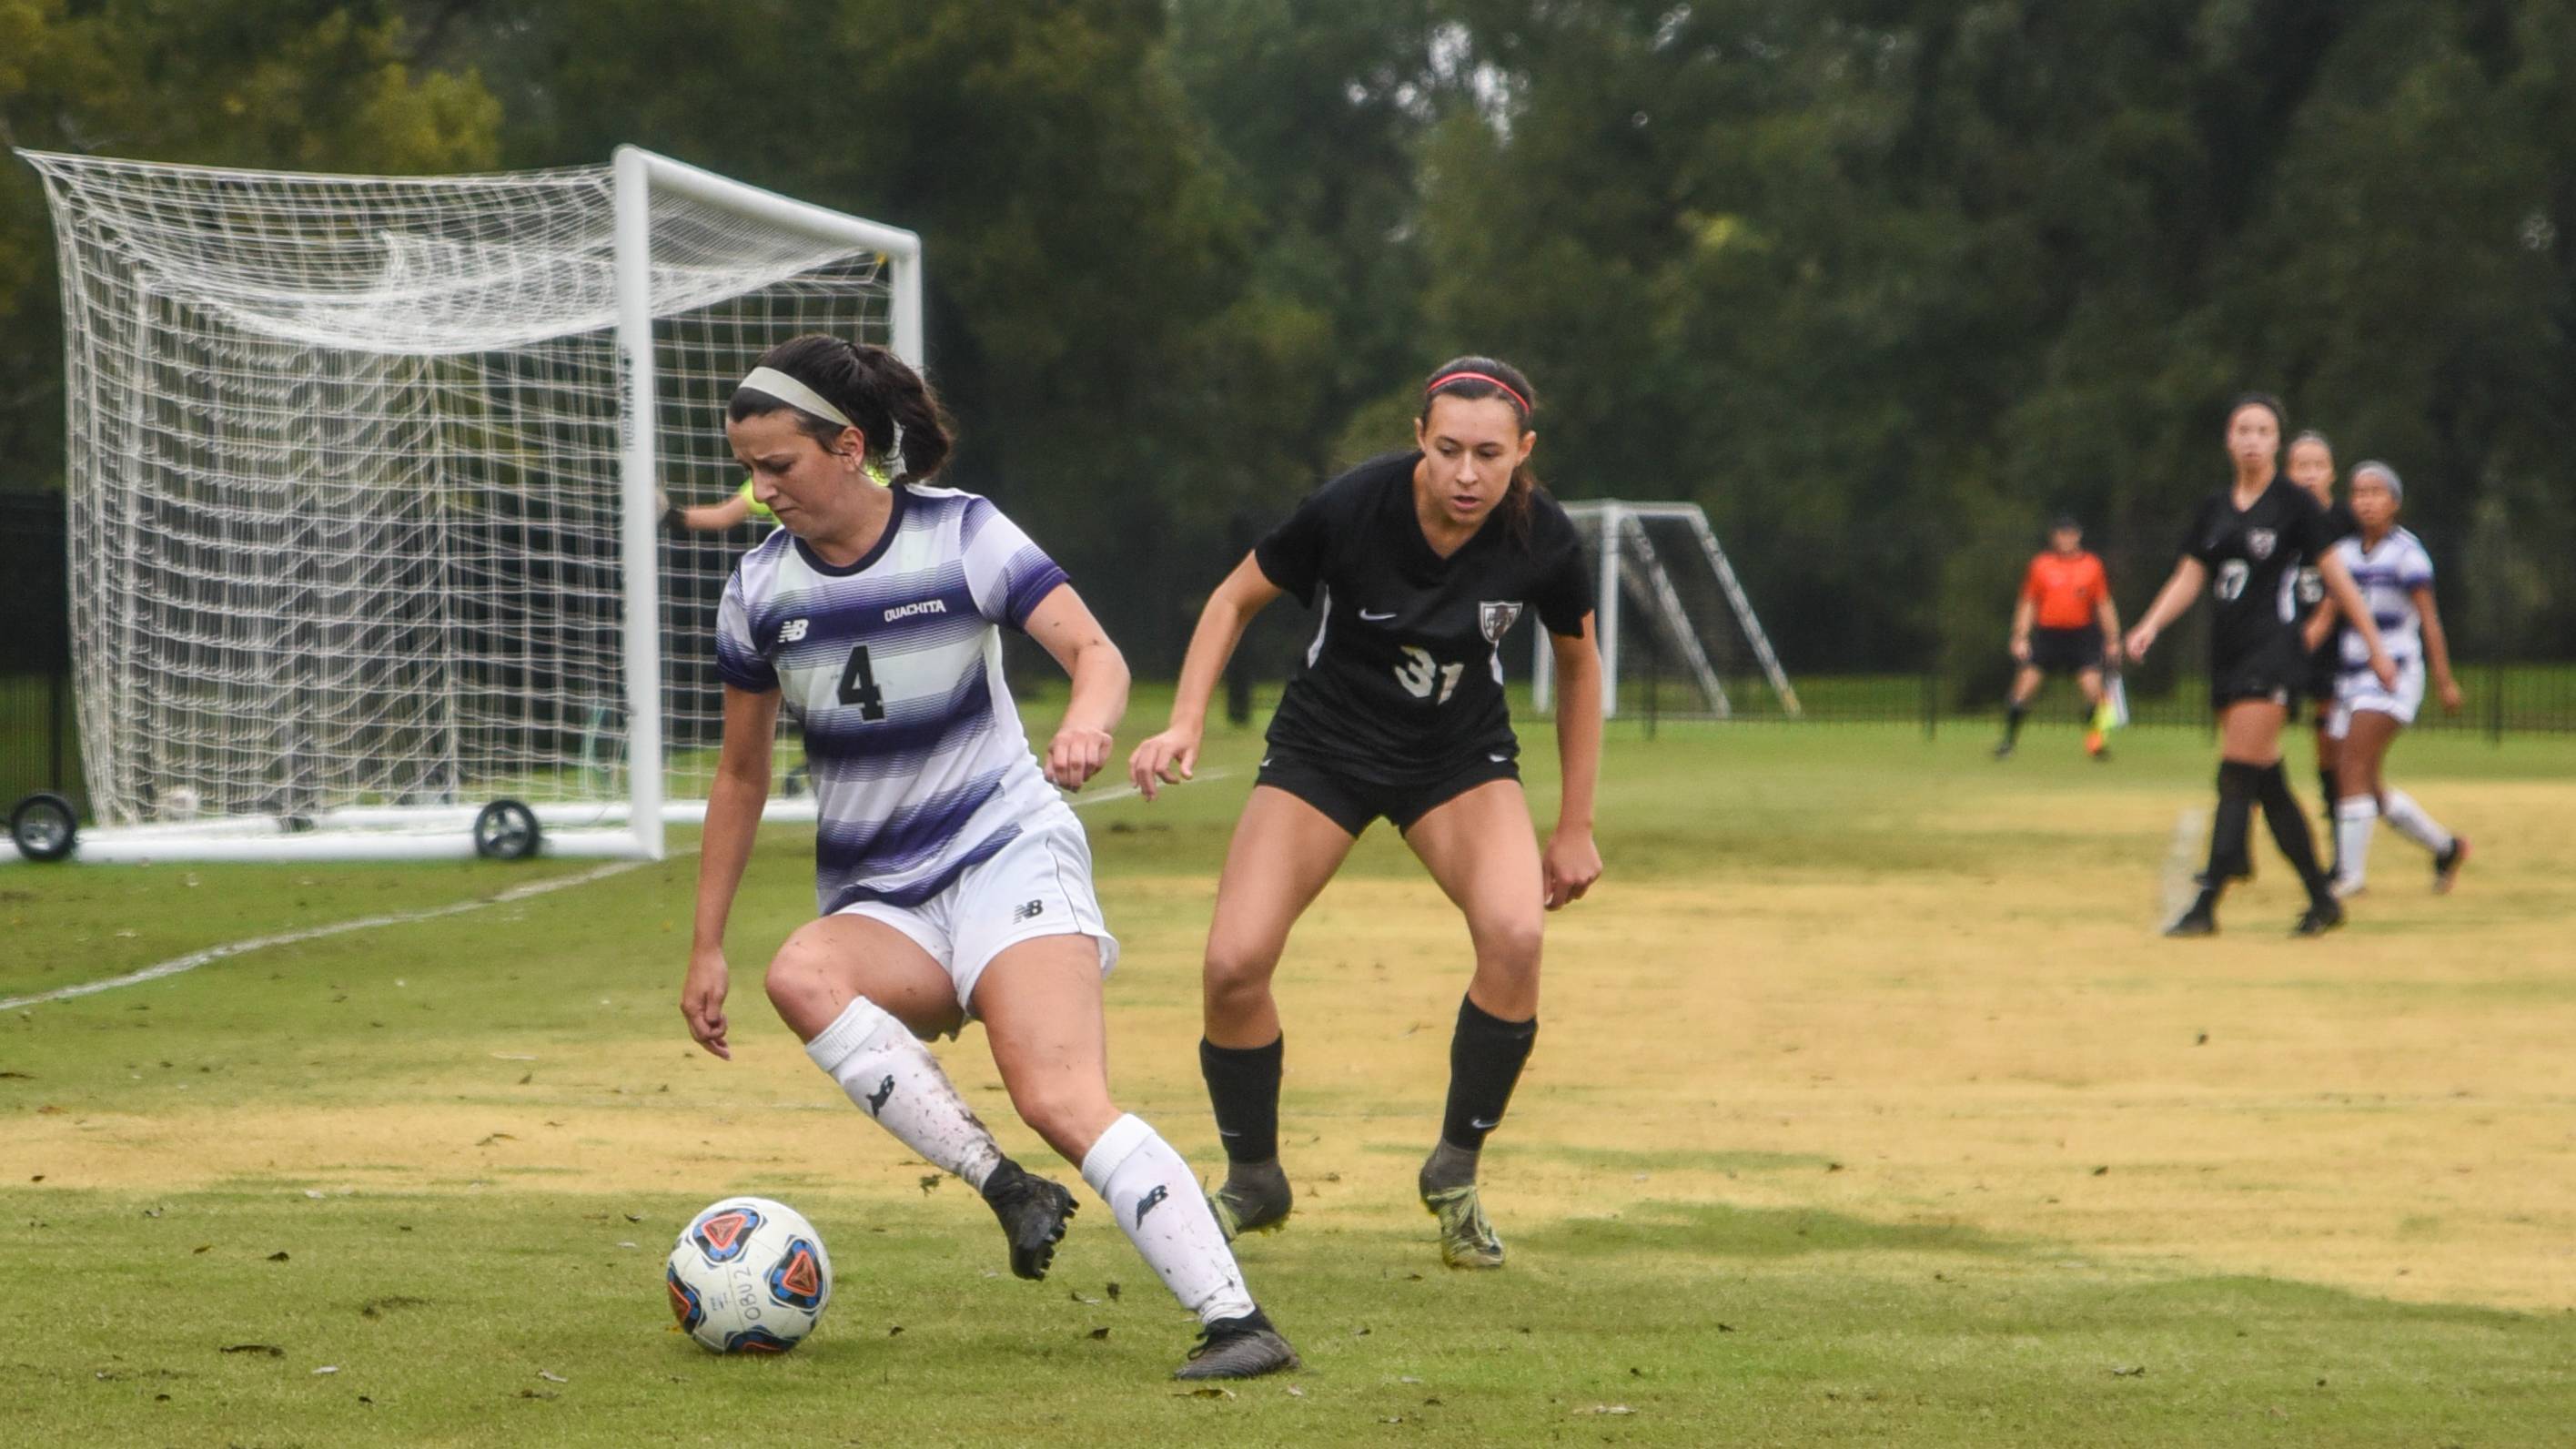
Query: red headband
(1438, 383)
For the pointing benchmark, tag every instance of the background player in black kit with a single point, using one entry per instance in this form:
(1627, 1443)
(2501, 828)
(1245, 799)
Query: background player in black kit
(2244, 544)
(1417, 563)
(2312, 467)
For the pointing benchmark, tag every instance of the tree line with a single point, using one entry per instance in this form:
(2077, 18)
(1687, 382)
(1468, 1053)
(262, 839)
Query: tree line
(1880, 283)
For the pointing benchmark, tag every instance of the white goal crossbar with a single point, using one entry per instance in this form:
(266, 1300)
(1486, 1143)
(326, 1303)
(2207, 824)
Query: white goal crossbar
(1631, 568)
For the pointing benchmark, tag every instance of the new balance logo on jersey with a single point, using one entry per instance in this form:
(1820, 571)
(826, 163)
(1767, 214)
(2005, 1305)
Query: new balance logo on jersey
(877, 1098)
(1150, 1201)
(791, 631)
(1027, 911)
(926, 606)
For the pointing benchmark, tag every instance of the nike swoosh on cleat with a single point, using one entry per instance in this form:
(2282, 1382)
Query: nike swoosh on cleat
(1377, 618)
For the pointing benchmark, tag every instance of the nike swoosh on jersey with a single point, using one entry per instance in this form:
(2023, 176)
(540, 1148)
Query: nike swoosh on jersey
(1497, 759)
(1368, 617)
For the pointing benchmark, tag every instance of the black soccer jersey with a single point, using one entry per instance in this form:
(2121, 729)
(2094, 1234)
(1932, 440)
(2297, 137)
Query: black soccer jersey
(2252, 557)
(1405, 674)
(2326, 660)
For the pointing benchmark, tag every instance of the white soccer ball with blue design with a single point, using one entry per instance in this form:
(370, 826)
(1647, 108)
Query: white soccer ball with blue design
(749, 1276)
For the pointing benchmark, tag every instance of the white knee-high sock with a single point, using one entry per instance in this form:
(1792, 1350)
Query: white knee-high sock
(2355, 816)
(1156, 1200)
(2412, 822)
(895, 1079)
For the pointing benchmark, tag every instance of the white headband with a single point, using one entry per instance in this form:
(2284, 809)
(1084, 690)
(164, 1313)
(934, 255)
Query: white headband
(793, 393)
(2396, 485)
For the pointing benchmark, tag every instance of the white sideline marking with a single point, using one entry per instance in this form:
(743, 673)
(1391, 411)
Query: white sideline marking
(194, 959)
(176, 965)
(2180, 883)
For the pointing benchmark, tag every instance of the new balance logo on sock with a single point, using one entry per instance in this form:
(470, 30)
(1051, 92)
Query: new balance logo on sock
(1149, 1202)
(877, 1098)
(1027, 911)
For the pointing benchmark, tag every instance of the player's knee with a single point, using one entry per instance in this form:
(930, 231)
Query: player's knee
(796, 974)
(1510, 945)
(1237, 972)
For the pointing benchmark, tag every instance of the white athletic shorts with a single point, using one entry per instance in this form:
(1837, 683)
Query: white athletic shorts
(1038, 885)
(2359, 690)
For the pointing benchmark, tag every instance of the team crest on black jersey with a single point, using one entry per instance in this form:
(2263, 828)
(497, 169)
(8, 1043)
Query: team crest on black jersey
(2259, 541)
(1497, 619)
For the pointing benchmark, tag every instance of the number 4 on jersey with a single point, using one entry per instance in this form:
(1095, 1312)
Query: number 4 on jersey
(859, 686)
(1420, 671)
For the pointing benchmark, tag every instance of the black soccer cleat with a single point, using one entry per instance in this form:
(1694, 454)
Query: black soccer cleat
(2201, 919)
(2003, 749)
(1254, 1201)
(2324, 914)
(1238, 1348)
(2446, 866)
(1033, 1211)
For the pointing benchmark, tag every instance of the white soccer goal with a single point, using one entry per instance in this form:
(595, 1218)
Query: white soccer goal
(362, 474)
(1672, 621)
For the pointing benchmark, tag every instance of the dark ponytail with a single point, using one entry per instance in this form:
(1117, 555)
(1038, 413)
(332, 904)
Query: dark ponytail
(886, 400)
(1477, 378)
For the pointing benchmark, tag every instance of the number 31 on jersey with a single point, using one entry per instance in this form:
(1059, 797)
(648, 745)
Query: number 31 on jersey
(1420, 672)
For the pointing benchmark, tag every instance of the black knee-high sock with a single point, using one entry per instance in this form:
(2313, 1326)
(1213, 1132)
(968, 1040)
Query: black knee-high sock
(1243, 1086)
(2012, 722)
(2290, 828)
(2238, 785)
(1485, 1060)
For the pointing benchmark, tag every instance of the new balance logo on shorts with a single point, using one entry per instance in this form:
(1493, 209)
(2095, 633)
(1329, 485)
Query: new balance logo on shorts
(1149, 1202)
(1027, 911)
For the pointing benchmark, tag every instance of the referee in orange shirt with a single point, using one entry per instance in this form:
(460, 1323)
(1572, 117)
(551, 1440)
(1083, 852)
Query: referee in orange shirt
(2064, 621)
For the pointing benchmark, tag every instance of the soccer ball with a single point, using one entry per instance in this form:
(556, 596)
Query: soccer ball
(748, 1276)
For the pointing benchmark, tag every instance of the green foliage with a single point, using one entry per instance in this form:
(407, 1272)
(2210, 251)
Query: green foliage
(1881, 284)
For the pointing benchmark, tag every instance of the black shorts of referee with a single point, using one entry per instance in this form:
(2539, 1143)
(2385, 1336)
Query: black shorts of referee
(2066, 651)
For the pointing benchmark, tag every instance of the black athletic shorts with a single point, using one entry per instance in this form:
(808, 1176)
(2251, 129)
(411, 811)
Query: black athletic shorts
(2277, 671)
(1351, 802)
(2059, 651)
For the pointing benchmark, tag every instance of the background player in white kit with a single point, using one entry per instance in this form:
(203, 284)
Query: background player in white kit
(2395, 575)
(953, 882)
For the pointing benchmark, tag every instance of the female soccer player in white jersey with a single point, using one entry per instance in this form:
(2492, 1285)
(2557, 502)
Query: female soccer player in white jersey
(1417, 563)
(953, 881)
(2243, 545)
(2395, 576)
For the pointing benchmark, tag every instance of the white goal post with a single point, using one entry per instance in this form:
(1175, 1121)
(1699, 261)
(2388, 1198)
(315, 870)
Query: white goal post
(363, 476)
(1668, 593)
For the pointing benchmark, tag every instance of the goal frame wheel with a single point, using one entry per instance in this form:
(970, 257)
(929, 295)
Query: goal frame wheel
(507, 830)
(44, 827)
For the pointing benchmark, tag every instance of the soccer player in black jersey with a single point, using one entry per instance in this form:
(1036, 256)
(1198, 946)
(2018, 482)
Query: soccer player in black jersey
(1416, 564)
(2243, 544)
(2312, 467)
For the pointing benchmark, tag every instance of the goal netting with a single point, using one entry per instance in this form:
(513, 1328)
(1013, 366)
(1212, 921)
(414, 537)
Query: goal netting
(361, 489)
(1677, 635)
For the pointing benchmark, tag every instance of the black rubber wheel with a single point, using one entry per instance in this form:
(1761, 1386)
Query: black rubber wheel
(44, 827)
(506, 830)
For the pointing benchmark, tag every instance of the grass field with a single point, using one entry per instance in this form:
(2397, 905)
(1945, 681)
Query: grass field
(1868, 1108)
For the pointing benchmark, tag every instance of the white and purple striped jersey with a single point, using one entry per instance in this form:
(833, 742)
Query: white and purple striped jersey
(2387, 576)
(892, 666)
